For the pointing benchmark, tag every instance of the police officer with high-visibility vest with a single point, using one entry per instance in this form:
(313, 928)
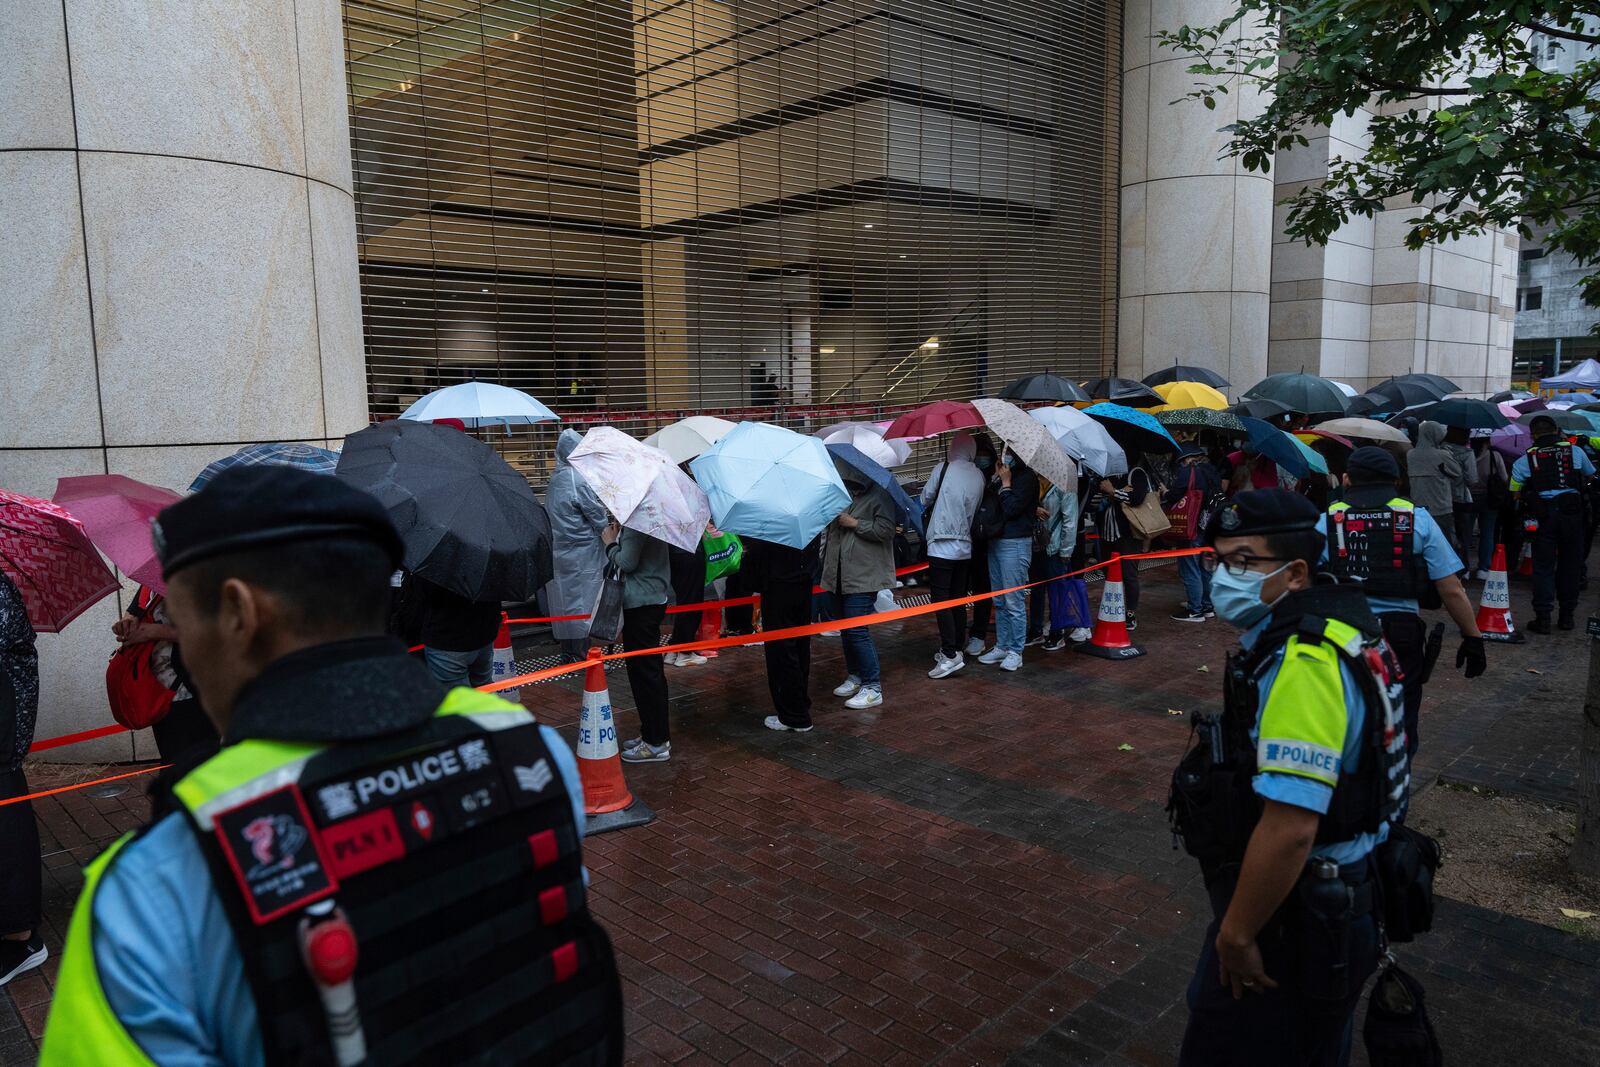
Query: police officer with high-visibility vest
(1397, 554)
(372, 869)
(1549, 482)
(1287, 795)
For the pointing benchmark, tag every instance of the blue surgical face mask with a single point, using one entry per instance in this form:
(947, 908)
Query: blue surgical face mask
(985, 463)
(1237, 598)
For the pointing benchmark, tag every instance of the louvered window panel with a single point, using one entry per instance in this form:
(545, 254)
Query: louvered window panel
(797, 211)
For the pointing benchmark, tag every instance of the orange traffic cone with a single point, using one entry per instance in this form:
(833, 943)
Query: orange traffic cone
(505, 662)
(1110, 639)
(1494, 612)
(1525, 562)
(607, 802)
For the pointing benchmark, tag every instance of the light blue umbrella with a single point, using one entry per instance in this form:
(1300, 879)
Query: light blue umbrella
(1131, 427)
(767, 482)
(1314, 459)
(909, 512)
(480, 404)
(306, 457)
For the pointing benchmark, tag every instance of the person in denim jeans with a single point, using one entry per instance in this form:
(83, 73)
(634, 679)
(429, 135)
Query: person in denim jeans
(1009, 556)
(857, 562)
(1195, 472)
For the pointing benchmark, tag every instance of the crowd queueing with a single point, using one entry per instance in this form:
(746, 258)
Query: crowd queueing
(278, 594)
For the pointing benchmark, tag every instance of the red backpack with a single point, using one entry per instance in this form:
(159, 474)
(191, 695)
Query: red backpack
(138, 698)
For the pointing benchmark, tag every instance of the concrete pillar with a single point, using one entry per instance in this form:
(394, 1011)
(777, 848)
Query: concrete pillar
(178, 259)
(1196, 241)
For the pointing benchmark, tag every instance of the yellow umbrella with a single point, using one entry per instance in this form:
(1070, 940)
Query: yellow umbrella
(1191, 395)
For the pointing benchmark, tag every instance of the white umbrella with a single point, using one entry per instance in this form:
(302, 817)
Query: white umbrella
(1029, 439)
(1347, 390)
(870, 442)
(690, 437)
(1364, 429)
(480, 404)
(1084, 439)
(642, 487)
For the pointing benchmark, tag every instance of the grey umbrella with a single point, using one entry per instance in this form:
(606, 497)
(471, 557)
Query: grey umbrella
(1180, 373)
(1305, 393)
(1044, 387)
(469, 522)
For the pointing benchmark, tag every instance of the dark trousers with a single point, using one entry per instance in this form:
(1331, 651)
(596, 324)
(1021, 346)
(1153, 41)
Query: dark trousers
(1039, 595)
(947, 579)
(575, 649)
(647, 675)
(21, 880)
(739, 620)
(1512, 536)
(1558, 556)
(1130, 569)
(688, 587)
(785, 604)
(1466, 523)
(978, 582)
(1299, 1024)
(1407, 634)
(185, 727)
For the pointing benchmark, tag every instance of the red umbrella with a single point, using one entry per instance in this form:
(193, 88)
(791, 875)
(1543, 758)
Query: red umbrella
(937, 417)
(49, 558)
(116, 511)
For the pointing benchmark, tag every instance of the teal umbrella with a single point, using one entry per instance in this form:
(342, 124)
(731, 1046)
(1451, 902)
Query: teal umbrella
(1133, 428)
(1305, 393)
(774, 484)
(1314, 459)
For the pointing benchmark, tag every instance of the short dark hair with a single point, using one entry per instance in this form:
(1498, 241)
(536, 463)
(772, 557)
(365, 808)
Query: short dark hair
(1296, 544)
(329, 587)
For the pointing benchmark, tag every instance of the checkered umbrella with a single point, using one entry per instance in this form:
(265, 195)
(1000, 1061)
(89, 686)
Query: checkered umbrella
(48, 556)
(306, 457)
(1201, 419)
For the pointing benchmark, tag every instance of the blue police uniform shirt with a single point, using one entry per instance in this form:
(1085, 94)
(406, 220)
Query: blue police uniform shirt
(1522, 471)
(1303, 791)
(1429, 541)
(165, 951)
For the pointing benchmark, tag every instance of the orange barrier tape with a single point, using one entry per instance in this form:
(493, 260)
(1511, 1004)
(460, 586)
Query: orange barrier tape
(72, 739)
(84, 785)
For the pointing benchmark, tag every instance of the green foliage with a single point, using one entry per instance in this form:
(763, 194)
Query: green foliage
(1466, 130)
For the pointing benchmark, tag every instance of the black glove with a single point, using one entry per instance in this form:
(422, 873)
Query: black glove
(1471, 655)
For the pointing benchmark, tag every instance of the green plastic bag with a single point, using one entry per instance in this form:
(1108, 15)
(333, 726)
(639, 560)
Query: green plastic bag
(724, 553)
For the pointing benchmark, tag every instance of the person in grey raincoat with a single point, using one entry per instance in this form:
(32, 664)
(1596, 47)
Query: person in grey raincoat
(1434, 475)
(576, 519)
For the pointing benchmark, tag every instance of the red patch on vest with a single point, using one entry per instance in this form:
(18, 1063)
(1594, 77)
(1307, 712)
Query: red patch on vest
(363, 843)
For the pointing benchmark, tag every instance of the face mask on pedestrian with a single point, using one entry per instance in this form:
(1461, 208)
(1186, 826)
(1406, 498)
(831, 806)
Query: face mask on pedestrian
(1237, 597)
(985, 463)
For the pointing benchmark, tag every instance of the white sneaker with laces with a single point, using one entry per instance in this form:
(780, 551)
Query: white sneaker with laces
(947, 665)
(867, 697)
(1012, 661)
(848, 687)
(691, 659)
(1080, 635)
(774, 723)
(994, 655)
(670, 659)
(975, 647)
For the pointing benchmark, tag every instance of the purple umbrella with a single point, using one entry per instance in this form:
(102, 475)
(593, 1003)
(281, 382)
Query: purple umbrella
(116, 511)
(1511, 441)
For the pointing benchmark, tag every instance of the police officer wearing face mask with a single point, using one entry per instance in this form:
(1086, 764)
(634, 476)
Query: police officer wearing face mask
(372, 869)
(1286, 797)
(1396, 553)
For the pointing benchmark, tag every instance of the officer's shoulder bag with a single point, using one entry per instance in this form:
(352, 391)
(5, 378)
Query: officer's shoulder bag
(1406, 863)
(1397, 1032)
(451, 854)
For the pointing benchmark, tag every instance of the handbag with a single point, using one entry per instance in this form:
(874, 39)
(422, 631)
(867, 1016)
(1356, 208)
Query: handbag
(1397, 1032)
(1184, 514)
(1146, 519)
(605, 621)
(137, 696)
(724, 554)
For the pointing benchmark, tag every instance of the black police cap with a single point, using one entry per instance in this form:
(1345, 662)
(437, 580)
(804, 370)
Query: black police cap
(247, 508)
(1369, 463)
(1265, 511)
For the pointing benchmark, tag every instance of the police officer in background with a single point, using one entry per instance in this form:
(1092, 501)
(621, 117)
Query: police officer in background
(1287, 796)
(372, 869)
(1549, 482)
(1398, 555)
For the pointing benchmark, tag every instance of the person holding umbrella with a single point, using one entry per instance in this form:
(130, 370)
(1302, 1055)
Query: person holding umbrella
(859, 561)
(647, 578)
(1010, 552)
(951, 497)
(1548, 482)
(985, 459)
(576, 519)
(782, 578)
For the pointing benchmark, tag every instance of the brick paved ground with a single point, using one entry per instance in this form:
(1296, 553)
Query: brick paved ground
(975, 873)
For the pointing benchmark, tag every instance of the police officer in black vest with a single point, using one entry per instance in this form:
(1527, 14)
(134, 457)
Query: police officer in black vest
(372, 869)
(1549, 482)
(1286, 797)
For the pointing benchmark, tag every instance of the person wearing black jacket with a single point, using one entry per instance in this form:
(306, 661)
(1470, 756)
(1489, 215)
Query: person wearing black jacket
(1194, 474)
(1009, 555)
(22, 945)
(1116, 532)
(782, 577)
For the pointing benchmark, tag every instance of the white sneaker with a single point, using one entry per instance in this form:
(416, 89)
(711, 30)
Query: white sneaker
(975, 647)
(1482, 576)
(830, 633)
(866, 698)
(1080, 635)
(670, 659)
(848, 687)
(946, 666)
(1012, 661)
(774, 723)
(688, 659)
(994, 655)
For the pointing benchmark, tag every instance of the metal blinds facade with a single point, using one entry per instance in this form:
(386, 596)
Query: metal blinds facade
(799, 210)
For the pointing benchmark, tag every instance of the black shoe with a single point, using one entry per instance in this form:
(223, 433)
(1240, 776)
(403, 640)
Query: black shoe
(1540, 625)
(18, 957)
(1132, 621)
(1036, 639)
(1185, 615)
(1564, 622)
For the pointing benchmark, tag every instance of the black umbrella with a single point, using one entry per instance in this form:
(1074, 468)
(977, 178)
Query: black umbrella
(1044, 387)
(1400, 393)
(1305, 393)
(1369, 404)
(1463, 413)
(1437, 382)
(1566, 421)
(470, 523)
(1181, 373)
(1123, 391)
(1259, 409)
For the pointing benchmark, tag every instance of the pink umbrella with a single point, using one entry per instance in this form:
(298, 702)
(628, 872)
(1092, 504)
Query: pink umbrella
(1511, 441)
(116, 511)
(50, 559)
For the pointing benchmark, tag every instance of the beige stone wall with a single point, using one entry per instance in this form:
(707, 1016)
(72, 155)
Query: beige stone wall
(178, 259)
